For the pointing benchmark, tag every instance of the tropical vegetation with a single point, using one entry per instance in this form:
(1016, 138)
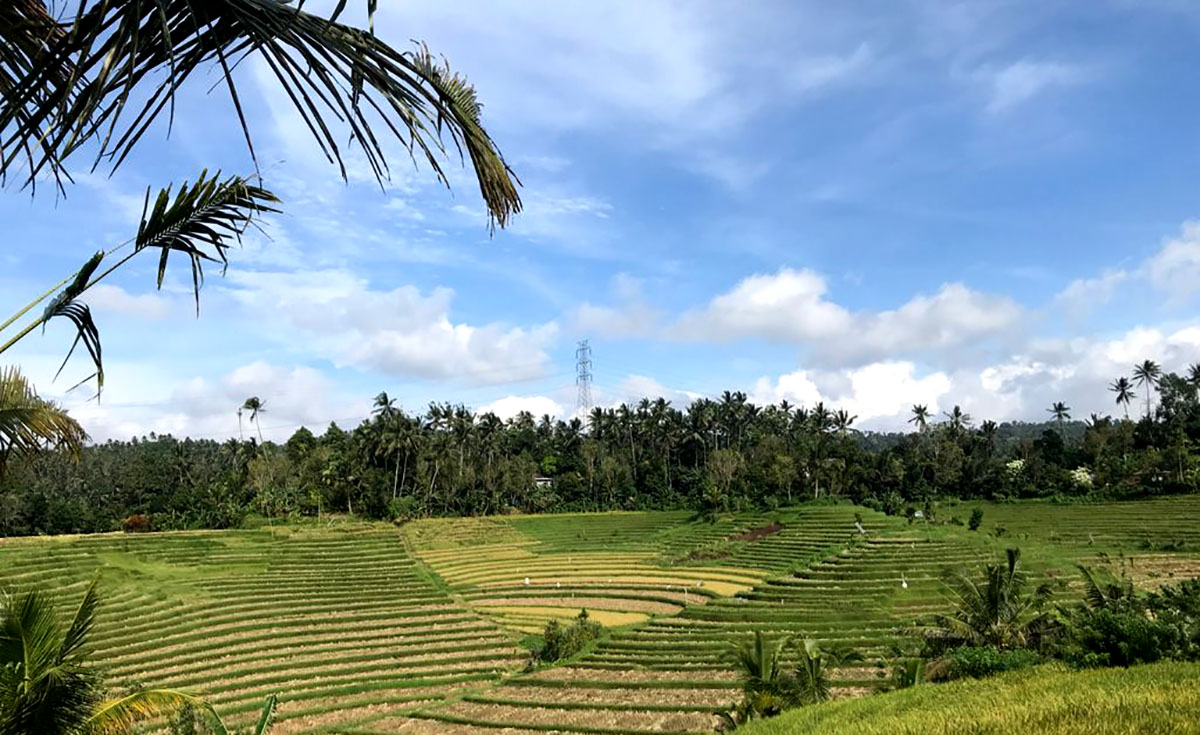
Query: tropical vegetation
(714, 456)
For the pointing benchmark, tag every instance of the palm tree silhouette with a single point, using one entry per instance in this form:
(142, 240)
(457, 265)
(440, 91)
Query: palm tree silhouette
(1124, 390)
(958, 420)
(1147, 374)
(255, 406)
(920, 417)
(1061, 412)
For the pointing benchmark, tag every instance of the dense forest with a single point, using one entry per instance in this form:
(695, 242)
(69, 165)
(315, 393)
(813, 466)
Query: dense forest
(715, 455)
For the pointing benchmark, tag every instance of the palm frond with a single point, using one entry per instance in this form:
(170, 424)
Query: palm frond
(267, 717)
(27, 422)
(200, 222)
(81, 624)
(118, 716)
(71, 86)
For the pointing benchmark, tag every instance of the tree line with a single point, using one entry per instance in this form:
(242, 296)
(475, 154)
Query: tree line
(715, 455)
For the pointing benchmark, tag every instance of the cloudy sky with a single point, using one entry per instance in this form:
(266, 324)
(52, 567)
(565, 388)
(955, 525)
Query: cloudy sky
(875, 204)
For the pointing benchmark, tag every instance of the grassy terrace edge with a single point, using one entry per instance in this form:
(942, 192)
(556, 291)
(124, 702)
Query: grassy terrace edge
(1159, 698)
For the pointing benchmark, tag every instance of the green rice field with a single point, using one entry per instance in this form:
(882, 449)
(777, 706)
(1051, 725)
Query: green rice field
(369, 628)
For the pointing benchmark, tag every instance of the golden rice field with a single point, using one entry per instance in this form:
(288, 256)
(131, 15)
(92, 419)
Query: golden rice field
(373, 629)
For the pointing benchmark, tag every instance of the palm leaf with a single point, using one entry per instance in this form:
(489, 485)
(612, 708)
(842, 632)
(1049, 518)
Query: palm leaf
(118, 716)
(81, 624)
(27, 422)
(267, 717)
(200, 222)
(68, 86)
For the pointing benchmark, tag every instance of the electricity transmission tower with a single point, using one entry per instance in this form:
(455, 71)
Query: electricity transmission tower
(583, 380)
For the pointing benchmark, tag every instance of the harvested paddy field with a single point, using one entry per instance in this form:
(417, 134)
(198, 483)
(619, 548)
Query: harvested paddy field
(372, 629)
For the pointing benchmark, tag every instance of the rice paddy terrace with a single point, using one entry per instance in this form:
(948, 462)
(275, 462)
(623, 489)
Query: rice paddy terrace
(373, 629)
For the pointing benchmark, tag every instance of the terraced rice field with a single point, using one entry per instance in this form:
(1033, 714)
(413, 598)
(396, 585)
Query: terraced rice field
(369, 629)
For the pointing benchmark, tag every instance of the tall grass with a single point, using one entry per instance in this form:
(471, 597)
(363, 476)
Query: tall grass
(1160, 698)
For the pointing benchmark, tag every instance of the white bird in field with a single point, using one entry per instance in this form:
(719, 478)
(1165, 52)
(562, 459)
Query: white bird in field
(903, 581)
(527, 581)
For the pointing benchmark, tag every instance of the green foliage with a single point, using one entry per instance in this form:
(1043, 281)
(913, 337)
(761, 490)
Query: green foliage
(980, 661)
(769, 688)
(998, 610)
(715, 457)
(1116, 625)
(1161, 698)
(564, 641)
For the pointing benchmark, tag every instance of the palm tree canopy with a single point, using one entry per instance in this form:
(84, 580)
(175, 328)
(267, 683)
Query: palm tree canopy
(47, 688)
(1147, 373)
(64, 83)
(27, 422)
(995, 611)
(1123, 388)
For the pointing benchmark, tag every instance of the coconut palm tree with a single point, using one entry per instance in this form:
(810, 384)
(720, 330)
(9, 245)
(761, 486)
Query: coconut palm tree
(920, 417)
(1061, 413)
(1147, 374)
(842, 421)
(28, 422)
(47, 687)
(811, 682)
(1124, 390)
(957, 419)
(256, 406)
(996, 611)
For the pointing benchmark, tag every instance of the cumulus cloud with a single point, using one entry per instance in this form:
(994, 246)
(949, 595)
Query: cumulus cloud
(634, 388)
(792, 306)
(1084, 294)
(402, 331)
(1019, 387)
(1175, 269)
(510, 406)
(880, 394)
(104, 298)
(631, 316)
(139, 399)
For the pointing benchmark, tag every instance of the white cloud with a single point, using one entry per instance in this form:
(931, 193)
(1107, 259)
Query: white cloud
(1176, 268)
(140, 398)
(1021, 81)
(510, 406)
(791, 306)
(631, 317)
(104, 298)
(1084, 294)
(880, 394)
(636, 387)
(337, 316)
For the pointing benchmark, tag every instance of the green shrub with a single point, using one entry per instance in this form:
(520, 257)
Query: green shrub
(976, 519)
(1117, 638)
(980, 661)
(1118, 626)
(402, 509)
(564, 641)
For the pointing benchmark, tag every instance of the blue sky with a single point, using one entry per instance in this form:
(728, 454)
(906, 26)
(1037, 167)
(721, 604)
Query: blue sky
(990, 204)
